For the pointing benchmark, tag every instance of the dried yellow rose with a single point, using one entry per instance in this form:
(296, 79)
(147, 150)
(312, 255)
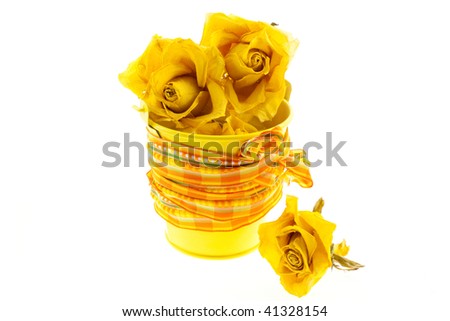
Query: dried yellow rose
(256, 57)
(179, 81)
(298, 247)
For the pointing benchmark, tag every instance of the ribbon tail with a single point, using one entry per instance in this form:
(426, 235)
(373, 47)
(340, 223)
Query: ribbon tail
(300, 174)
(297, 169)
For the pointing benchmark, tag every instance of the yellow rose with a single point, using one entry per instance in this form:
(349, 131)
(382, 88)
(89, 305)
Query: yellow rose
(179, 81)
(256, 57)
(298, 246)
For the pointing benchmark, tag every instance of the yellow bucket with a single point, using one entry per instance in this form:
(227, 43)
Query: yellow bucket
(218, 244)
(214, 244)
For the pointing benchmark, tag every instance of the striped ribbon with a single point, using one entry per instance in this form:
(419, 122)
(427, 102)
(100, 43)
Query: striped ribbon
(212, 191)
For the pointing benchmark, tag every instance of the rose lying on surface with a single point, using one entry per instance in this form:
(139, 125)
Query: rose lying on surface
(299, 247)
(179, 82)
(256, 57)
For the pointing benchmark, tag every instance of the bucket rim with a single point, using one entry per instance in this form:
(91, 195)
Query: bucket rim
(169, 131)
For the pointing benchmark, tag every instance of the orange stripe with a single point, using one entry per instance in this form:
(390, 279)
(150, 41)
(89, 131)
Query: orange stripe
(222, 198)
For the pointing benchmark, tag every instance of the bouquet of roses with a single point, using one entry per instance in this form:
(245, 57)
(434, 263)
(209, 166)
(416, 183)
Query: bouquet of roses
(231, 83)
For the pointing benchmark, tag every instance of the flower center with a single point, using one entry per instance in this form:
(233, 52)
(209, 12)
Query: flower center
(257, 60)
(180, 93)
(294, 260)
(169, 92)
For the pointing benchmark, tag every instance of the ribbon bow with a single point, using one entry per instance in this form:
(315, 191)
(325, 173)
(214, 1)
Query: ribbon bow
(274, 148)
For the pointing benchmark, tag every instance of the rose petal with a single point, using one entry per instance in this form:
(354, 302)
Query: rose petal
(216, 65)
(298, 285)
(211, 128)
(341, 249)
(307, 243)
(234, 125)
(259, 40)
(313, 221)
(164, 75)
(137, 75)
(186, 53)
(221, 30)
(217, 107)
(247, 101)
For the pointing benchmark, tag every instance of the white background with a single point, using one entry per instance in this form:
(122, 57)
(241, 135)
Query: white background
(80, 241)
